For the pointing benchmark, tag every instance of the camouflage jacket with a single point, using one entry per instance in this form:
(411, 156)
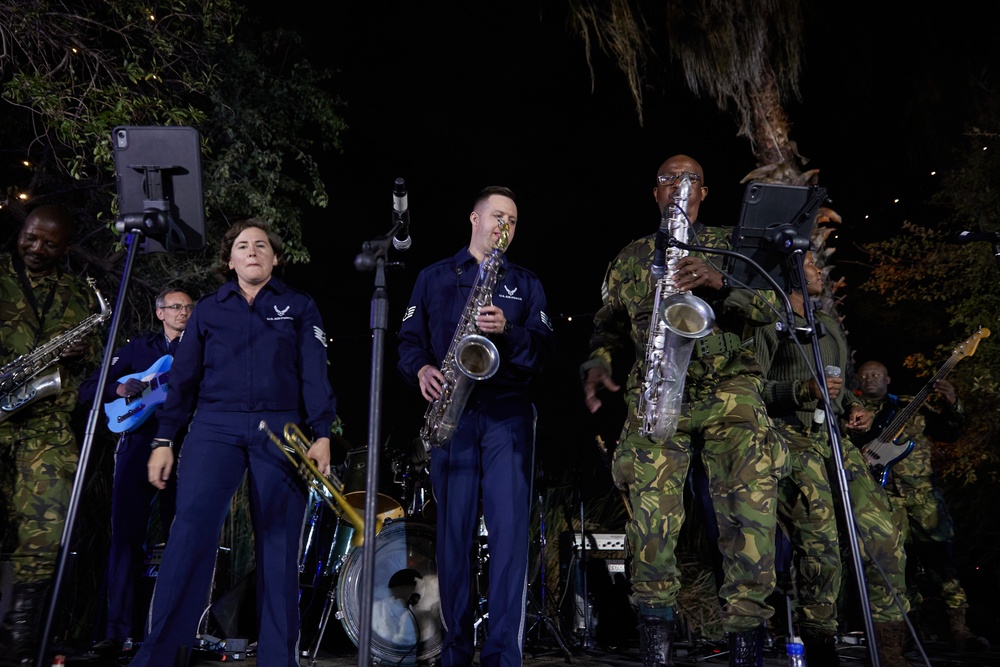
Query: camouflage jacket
(21, 333)
(629, 293)
(788, 366)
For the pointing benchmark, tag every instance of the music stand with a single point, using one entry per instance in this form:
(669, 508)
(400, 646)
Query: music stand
(775, 221)
(158, 174)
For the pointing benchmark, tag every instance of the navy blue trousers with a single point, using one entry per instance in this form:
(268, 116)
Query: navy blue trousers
(492, 451)
(217, 451)
(131, 502)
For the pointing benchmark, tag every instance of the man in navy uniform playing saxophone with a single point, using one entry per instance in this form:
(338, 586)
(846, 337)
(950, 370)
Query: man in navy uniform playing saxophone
(492, 447)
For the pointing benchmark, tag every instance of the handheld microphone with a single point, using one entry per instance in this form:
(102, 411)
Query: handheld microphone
(819, 414)
(401, 212)
(962, 238)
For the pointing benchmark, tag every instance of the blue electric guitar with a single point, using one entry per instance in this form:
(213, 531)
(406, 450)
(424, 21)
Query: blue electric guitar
(885, 447)
(127, 413)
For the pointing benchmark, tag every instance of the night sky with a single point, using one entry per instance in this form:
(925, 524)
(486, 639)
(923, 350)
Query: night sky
(453, 97)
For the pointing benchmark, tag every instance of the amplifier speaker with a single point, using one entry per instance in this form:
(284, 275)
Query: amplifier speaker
(608, 617)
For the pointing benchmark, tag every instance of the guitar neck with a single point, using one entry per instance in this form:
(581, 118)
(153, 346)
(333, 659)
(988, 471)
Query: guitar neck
(907, 413)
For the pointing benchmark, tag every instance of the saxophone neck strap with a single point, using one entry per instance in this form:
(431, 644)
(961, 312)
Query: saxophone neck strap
(724, 343)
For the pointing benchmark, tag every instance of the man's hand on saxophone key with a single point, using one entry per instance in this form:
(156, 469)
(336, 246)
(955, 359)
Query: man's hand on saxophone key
(431, 381)
(491, 320)
(692, 272)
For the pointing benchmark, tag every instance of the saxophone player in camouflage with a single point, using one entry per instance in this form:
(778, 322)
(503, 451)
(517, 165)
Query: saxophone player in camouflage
(722, 420)
(39, 301)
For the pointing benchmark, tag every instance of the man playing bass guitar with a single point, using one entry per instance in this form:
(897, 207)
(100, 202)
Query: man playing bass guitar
(917, 501)
(132, 495)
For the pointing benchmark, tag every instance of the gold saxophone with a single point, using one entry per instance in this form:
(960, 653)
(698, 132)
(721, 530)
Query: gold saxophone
(677, 320)
(471, 357)
(22, 382)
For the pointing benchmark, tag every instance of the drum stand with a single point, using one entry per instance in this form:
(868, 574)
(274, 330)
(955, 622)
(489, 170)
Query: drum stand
(332, 565)
(540, 615)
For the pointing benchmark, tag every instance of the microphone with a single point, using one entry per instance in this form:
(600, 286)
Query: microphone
(401, 212)
(659, 266)
(962, 238)
(819, 414)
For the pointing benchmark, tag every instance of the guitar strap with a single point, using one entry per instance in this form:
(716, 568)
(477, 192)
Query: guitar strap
(881, 420)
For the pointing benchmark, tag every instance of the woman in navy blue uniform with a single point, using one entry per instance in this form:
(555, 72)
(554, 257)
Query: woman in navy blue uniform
(131, 495)
(492, 448)
(253, 351)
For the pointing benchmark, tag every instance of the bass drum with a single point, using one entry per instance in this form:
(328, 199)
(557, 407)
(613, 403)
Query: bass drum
(406, 605)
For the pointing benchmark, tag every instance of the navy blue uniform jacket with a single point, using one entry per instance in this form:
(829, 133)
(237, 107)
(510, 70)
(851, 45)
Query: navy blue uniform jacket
(435, 309)
(235, 357)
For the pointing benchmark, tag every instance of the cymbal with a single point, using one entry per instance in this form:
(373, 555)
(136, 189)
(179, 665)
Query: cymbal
(386, 507)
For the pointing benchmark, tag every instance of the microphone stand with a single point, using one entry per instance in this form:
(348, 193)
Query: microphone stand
(831, 426)
(372, 257)
(131, 241)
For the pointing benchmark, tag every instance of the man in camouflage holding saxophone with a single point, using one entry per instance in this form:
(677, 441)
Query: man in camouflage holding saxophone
(38, 302)
(722, 419)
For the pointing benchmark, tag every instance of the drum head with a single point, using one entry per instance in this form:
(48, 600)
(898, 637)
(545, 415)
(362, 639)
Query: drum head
(406, 606)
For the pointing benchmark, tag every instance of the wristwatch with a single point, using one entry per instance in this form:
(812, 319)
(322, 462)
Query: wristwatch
(161, 442)
(507, 327)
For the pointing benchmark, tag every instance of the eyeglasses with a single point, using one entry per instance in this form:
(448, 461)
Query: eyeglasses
(672, 179)
(177, 306)
(871, 376)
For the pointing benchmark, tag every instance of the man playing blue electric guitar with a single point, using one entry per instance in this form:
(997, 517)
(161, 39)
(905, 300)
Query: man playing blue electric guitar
(917, 501)
(139, 367)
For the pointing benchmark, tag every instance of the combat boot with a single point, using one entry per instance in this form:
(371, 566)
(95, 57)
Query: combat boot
(746, 648)
(821, 648)
(962, 637)
(889, 639)
(656, 636)
(22, 621)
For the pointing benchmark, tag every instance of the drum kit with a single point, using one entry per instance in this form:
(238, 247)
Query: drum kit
(406, 628)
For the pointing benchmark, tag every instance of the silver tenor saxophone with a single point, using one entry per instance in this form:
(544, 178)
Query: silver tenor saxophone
(22, 382)
(677, 320)
(471, 357)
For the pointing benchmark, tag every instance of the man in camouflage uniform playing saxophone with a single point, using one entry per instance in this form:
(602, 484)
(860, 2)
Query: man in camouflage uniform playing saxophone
(722, 420)
(39, 301)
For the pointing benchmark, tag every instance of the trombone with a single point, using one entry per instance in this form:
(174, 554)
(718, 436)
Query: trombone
(296, 447)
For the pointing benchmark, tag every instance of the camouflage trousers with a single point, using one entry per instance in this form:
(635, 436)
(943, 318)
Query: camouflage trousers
(807, 512)
(38, 488)
(727, 425)
(929, 531)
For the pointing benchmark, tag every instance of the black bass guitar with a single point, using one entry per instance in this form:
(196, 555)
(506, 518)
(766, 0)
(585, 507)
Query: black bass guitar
(886, 448)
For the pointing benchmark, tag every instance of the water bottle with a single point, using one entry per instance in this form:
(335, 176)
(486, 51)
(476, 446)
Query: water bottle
(796, 654)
